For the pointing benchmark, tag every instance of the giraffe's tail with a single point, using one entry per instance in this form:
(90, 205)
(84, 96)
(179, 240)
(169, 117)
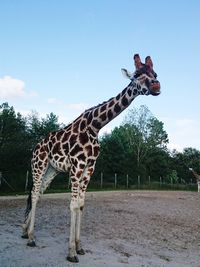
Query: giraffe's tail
(28, 203)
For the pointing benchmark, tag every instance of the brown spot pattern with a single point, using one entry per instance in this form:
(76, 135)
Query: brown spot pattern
(76, 148)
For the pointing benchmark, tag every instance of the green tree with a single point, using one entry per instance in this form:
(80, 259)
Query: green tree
(137, 147)
(14, 145)
(158, 164)
(112, 156)
(145, 134)
(181, 161)
(39, 128)
(18, 136)
(172, 177)
(49, 124)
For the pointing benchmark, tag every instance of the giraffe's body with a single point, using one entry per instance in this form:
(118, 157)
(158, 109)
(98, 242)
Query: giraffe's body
(197, 176)
(75, 149)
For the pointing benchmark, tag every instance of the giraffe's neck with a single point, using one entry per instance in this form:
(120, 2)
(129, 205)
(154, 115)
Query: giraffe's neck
(102, 114)
(196, 175)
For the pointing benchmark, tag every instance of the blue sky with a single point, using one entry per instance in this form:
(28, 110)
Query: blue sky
(65, 56)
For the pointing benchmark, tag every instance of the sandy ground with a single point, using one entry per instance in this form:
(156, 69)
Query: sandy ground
(119, 229)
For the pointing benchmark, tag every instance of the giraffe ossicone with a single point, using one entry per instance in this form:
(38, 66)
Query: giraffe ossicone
(75, 149)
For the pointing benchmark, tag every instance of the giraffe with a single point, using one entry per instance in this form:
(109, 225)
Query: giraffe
(75, 149)
(197, 176)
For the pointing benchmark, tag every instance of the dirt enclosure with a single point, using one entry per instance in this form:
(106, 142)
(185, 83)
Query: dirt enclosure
(132, 228)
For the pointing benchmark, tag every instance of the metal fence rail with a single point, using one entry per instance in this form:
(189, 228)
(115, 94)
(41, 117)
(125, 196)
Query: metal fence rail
(100, 182)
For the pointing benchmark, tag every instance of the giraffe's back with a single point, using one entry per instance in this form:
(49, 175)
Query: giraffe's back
(65, 148)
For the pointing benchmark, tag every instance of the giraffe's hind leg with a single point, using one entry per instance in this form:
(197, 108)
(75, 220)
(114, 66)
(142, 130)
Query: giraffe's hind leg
(38, 170)
(26, 223)
(47, 178)
(40, 185)
(31, 219)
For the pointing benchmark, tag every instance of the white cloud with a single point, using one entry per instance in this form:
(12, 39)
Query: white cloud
(13, 88)
(10, 87)
(182, 132)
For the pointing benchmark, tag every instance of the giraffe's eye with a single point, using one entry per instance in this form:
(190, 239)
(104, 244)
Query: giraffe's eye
(147, 82)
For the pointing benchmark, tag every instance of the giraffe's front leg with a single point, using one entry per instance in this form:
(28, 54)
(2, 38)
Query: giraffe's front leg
(31, 239)
(72, 255)
(82, 190)
(79, 248)
(76, 207)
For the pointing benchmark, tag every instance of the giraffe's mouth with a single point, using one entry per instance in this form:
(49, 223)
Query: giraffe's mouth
(155, 88)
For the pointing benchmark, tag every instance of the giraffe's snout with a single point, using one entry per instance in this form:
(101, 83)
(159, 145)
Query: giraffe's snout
(155, 87)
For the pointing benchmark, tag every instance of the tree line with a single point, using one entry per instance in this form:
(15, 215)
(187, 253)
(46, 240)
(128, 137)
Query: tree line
(137, 147)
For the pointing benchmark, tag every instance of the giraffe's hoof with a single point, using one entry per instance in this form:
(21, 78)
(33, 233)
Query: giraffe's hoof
(24, 236)
(81, 251)
(72, 259)
(31, 243)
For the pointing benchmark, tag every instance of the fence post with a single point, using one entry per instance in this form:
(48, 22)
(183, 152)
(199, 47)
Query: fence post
(138, 180)
(149, 180)
(0, 177)
(101, 180)
(26, 184)
(69, 182)
(160, 180)
(115, 180)
(127, 181)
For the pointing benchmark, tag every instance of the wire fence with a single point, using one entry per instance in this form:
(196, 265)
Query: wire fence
(141, 182)
(99, 182)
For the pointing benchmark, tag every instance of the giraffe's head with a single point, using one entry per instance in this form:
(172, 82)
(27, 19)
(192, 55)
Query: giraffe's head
(145, 78)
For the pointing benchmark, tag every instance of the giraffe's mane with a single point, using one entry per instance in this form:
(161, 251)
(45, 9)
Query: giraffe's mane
(85, 112)
(103, 103)
(90, 109)
(99, 105)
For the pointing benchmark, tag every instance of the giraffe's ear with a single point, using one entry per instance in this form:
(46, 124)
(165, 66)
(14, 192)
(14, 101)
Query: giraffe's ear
(127, 74)
(190, 169)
